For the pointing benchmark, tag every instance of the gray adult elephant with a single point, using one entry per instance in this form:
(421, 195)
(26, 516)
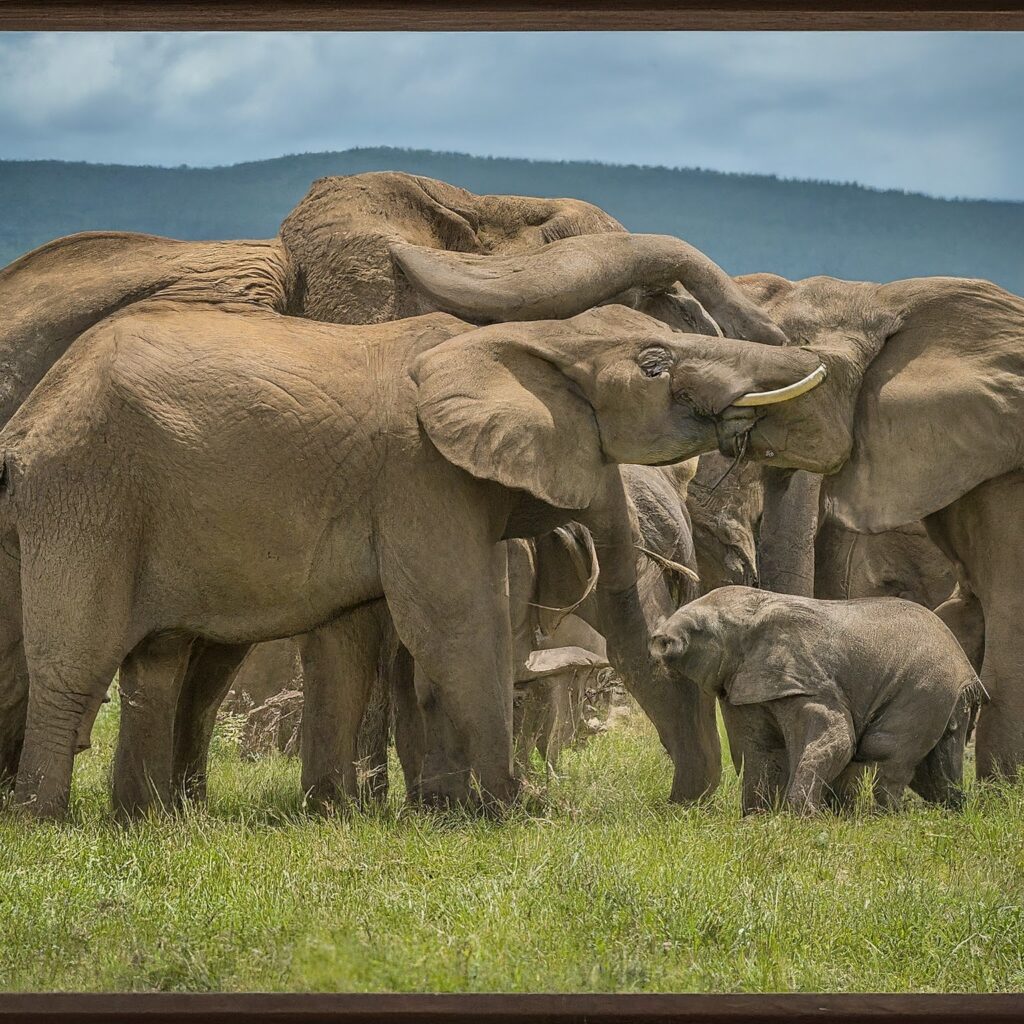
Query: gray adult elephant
(398, 456)
(358, 250)
(920, 419)
(552, 605)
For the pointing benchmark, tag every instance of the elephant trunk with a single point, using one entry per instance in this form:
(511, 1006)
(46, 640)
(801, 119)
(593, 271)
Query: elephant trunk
(684, 717)
(570, 275)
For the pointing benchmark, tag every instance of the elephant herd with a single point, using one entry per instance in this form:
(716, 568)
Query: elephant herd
(454, 443)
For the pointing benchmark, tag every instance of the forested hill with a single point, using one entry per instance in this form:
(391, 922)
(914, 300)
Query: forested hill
(746, 222)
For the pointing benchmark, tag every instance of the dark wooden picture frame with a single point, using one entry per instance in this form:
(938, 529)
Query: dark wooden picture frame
(520, 15)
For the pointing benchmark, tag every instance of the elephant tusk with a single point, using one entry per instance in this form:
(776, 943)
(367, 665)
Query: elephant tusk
(801, 387)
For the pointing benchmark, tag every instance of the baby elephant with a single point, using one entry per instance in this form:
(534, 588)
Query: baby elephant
(815, 693)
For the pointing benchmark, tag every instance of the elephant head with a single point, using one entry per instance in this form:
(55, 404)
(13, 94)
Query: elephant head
(733, 644)
(901, 359)
(510, 402)
(381, 246)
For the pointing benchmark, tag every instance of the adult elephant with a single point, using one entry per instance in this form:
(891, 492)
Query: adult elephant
(553, 603)
(919, 419)
(363, 249)
(135, 491)
(552, 607)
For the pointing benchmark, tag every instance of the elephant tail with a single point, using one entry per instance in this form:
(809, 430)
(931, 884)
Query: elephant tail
(578, 542)
(973, 692)
(972, 696)
(681, 578)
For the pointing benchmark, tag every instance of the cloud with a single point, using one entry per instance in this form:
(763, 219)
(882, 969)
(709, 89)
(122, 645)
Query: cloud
(932, 112)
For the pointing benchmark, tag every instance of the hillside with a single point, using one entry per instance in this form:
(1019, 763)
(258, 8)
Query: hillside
(746, 222)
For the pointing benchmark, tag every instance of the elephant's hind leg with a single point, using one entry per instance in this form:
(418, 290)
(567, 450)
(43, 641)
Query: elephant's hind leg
(340, 664)
(820, 742)
(212, 668)
(150, 684)
(939, 777)
(13, 672)
(61, 694)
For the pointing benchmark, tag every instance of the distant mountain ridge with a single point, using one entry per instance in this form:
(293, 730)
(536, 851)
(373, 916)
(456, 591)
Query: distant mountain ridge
(746, 222)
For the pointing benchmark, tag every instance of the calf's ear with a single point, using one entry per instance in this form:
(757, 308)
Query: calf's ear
(768, 673)
(495, 403)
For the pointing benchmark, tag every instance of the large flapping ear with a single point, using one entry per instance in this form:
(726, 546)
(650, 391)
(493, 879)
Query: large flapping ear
(777, 662)
(759, 681)
(495, 403)
(939, 409)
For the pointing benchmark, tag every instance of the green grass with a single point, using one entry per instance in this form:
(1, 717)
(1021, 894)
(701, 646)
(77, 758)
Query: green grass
(605, 887)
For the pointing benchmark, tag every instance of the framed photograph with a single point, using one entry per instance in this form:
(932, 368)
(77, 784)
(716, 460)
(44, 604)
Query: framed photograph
(511, 513)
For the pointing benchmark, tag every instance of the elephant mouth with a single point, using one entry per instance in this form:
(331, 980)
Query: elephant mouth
(743, 434)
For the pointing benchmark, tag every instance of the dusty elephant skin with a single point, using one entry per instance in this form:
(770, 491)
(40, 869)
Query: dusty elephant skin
(245, 478)
(817, 693)
(548, 578)
(907, 360)
(367, 248)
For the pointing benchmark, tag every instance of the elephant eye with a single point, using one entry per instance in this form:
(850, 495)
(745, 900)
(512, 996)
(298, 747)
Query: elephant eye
(655, 361)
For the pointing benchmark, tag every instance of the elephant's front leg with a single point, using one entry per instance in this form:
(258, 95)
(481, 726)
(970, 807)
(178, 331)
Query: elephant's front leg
(13, 673)
(759, 756)
(340, 665)
(982, 532)
(13, 708)
(445, 578)
(445, 777)
(820, 743)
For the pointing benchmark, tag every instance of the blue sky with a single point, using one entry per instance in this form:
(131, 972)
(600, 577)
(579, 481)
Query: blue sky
(941, 113)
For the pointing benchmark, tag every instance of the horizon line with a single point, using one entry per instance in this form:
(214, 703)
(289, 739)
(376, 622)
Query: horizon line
(523, 159)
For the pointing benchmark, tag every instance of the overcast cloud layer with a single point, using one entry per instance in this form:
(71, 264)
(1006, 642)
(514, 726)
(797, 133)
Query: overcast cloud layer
(933, 112)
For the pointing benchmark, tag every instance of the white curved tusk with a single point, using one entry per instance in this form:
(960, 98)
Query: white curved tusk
(801, 387)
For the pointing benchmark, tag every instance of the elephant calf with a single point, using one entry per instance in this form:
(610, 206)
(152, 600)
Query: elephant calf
(815, 693)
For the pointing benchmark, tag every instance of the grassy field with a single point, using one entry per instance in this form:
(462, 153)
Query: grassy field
(604, 887)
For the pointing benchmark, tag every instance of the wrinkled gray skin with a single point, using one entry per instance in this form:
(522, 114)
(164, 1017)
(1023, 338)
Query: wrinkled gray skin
(725, 506)
(413, 448)
(898, 563)
(902, 563)
(754, 525)
(815, 694)
(551, 572)
(919, 420)
(363, 249)
(547, 577)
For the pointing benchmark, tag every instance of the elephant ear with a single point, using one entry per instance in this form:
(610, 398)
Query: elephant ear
(777, 664)
(495, 403)
(939, 407)
(559, 659)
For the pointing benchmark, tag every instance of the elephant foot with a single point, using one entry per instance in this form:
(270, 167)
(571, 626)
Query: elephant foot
(133, 799)
(999, 746)
(40, 804)
(329, 800)
(189, 789)
(495, 801)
